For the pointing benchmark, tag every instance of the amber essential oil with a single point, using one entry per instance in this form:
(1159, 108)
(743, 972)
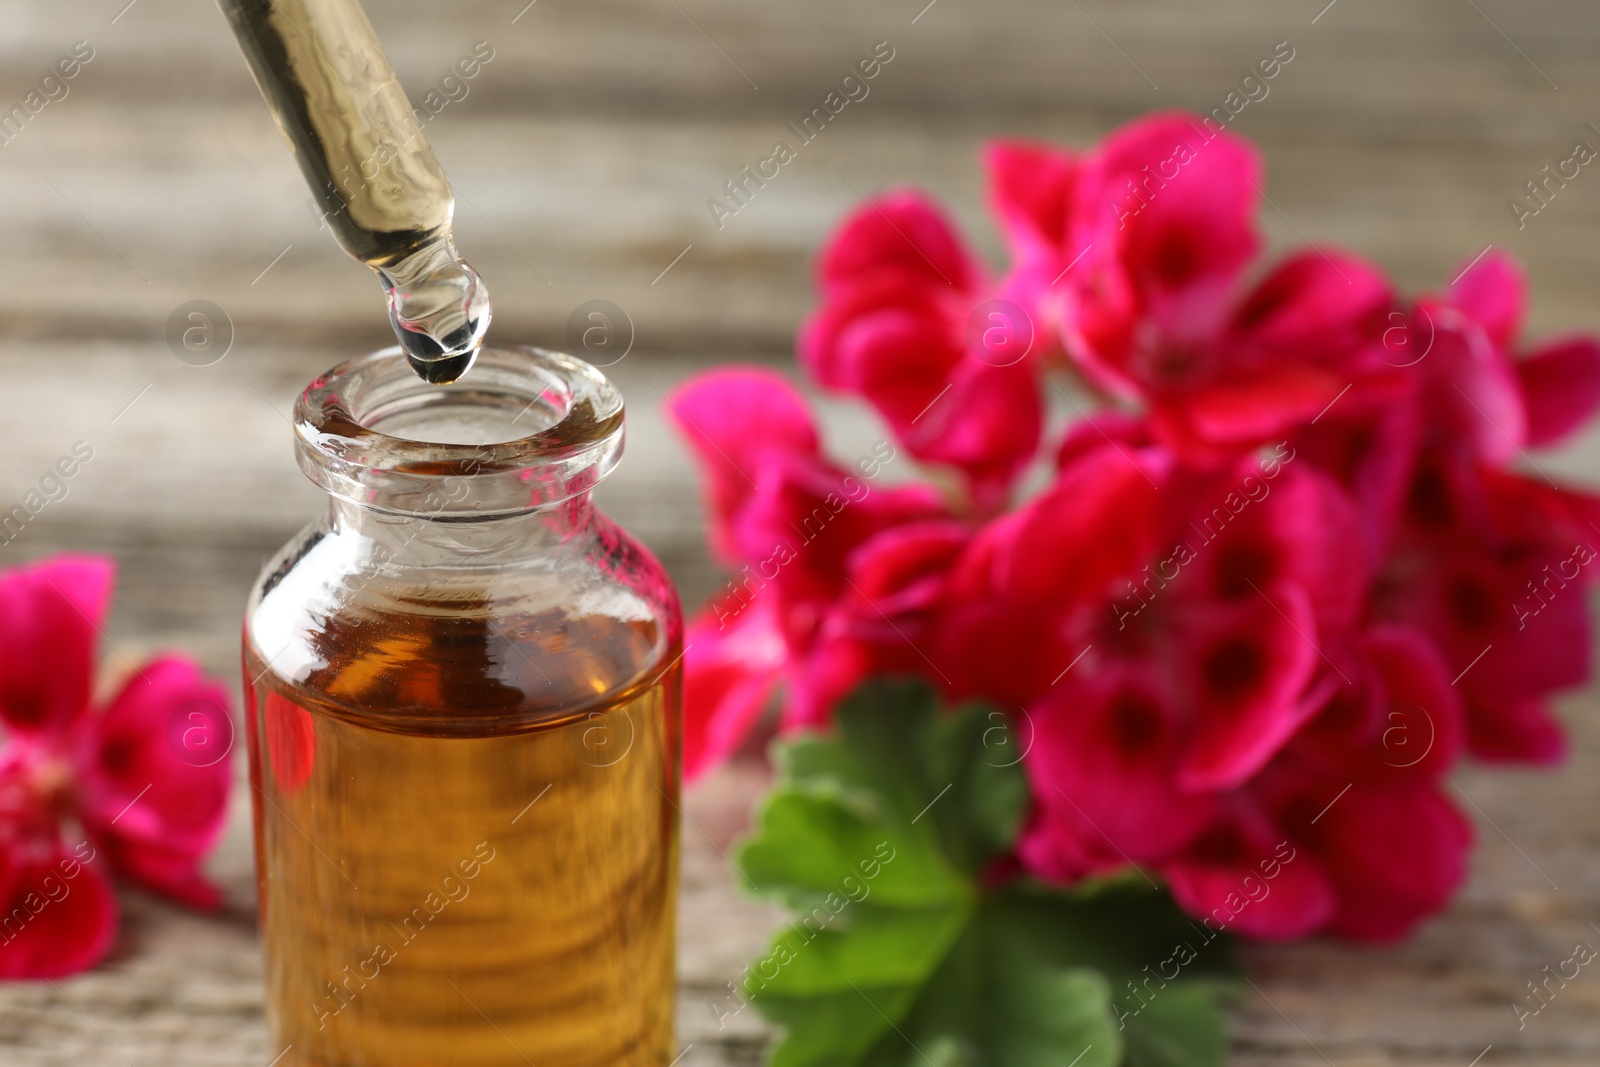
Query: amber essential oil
(466, 842)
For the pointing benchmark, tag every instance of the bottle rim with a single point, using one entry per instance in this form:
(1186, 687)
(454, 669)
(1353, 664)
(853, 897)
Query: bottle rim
(372, 432)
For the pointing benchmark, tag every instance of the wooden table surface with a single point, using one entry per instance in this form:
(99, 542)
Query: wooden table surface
(584, 154)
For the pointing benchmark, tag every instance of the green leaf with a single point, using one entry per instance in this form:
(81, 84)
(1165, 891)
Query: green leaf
(896, 758)
(899, 956)
(1167, 974)
(1181, 1027)
(817, 845)
(1011, 1000)
(838, 992)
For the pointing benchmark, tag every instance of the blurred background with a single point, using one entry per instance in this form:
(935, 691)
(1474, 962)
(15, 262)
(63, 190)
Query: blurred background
(583, 153)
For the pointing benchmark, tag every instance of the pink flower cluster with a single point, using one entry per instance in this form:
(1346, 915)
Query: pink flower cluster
(1290, 568)
(137, 787)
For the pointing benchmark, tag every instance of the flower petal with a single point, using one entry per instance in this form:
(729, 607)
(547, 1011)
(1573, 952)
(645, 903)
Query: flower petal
(1031, 187)
(50, 615)
(902, 231)
(1245, 875)
(1102, 763)
(1424, 728)
(882, 623)
(1510, 645)
(1174, 205)
(988, 427)
(1396, 718)
(1475, 394)
(1560, 387)
(831, 344)
(1270, 523)
(1248, 666)
(730, 671)
(801, 525)
(999, 650)
(1090, 433)
(1093, 525)
(1513, 730)
(733, 418)
(1396, 856)
(1306, 334)
(1221, 419)
(58, 916)
(903, 349)
(155, 783)
(1314, 306)
(899, 359)
(894, 567)
(1370, 448)
(1493, 291)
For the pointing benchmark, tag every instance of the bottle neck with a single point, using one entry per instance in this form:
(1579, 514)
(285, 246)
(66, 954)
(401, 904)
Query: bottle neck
(518, 446)
(433, 540)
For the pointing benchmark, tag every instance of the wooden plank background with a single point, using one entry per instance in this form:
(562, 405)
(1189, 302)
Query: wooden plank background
(584, 153)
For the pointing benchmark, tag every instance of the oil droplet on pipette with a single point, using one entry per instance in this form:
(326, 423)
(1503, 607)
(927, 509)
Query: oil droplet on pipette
(382, 192)
(439, 308)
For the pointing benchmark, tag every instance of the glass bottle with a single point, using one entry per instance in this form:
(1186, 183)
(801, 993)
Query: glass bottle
(463, 701)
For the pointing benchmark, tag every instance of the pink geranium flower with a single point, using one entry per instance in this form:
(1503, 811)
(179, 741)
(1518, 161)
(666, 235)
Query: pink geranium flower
(136, 787)
(897, 327)
(1136, 253)
(802, 533)
(1384, 732)
(1105, 750)
(1292, 567)
(1496, 396)
(1490, 563)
